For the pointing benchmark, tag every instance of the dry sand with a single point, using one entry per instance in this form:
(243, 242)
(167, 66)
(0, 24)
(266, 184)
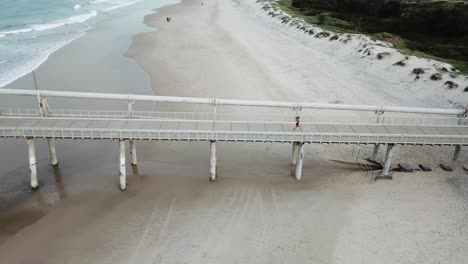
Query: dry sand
(255, 212)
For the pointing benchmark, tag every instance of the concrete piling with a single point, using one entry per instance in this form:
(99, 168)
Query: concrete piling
(385, 174)
(456, 153)
(295, 148)
(44, 111)
(122, 167)
(212, 160)
(375, 153)
(133, 153)
(52, 152)
(300, 160)
(32, 162)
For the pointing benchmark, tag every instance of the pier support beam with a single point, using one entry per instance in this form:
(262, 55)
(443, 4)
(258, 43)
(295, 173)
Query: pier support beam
(376, 152)
(295, 148)
(122, 167)
(32, 162)
(133, 153)
(385, 174)
(300, 160)
(456, 153)
(52, 152)
(212, 160)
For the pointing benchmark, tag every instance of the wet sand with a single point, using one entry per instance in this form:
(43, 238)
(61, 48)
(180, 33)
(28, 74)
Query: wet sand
(255, 212)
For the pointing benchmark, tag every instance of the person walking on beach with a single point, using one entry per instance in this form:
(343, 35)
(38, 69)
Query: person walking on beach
(168, 19)
(298, 124)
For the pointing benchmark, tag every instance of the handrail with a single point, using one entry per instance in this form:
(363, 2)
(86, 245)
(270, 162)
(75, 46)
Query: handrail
(232, 102)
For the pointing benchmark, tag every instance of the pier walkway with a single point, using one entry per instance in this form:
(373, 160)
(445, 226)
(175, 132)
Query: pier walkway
(424, 126)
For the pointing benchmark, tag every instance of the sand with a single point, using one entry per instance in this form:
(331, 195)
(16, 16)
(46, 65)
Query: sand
(255, 212)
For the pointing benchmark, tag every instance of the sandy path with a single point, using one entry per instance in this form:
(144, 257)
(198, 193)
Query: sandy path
(254, 213)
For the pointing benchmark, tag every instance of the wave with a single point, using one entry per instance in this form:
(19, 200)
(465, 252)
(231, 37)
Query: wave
(2, 35)
(18, 31)
(55, 24)
(32, 37)
(78, 6)
(1, 62)
(26, 68)
(99, 1)
(119, 6)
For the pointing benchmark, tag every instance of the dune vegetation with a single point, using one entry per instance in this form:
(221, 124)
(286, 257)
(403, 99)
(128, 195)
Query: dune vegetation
(432, 29)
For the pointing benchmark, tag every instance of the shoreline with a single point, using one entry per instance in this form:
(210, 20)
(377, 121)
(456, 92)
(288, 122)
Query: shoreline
(101, 16)
(92, 63)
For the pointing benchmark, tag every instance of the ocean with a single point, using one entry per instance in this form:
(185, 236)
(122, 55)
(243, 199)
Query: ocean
(31, 30)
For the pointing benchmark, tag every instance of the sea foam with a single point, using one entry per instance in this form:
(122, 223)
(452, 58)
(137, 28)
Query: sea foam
(29, 45)
(55, 24)
(17, 72)
(120, 6)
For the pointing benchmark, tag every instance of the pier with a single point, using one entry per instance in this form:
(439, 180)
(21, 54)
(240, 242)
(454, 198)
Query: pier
(369, 125)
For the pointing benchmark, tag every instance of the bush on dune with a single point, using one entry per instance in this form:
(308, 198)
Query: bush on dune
(432, 29)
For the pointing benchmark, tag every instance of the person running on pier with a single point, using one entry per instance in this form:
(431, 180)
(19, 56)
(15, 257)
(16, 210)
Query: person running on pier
(298, 124)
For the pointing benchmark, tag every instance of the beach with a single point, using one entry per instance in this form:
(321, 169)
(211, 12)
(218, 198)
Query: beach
(255, 212)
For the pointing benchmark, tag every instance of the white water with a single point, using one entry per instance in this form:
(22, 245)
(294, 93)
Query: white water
(28, 39)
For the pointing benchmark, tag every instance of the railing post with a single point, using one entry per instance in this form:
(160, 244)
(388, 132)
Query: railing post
(133, 152)
(122, 167)
(300, 160)
(32, 162)
(130, 108)
(385, 174)
(379, 113)
(43, 106)
(213, 160)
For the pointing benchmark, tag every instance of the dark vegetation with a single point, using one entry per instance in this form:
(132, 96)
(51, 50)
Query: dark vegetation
(433, 29)
(436, 76)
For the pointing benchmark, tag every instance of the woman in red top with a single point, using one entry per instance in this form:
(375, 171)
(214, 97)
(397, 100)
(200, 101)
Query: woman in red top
(298, 124)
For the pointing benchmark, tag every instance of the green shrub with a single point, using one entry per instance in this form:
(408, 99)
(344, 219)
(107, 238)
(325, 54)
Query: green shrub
(436, 77)
(322, 34)
(321, 19)
(451, 85)
(400, 63)
(418, 71)
(383, 55)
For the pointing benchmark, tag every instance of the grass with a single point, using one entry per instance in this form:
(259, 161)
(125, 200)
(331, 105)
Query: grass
(452, 50)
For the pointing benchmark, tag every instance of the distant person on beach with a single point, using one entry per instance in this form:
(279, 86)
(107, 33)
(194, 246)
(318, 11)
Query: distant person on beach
(298, 124)
(201, 3)
(168, 19)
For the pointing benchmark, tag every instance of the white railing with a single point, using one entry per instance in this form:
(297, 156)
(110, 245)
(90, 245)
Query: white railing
(244, 136)
(205, 116)
(229, 102)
